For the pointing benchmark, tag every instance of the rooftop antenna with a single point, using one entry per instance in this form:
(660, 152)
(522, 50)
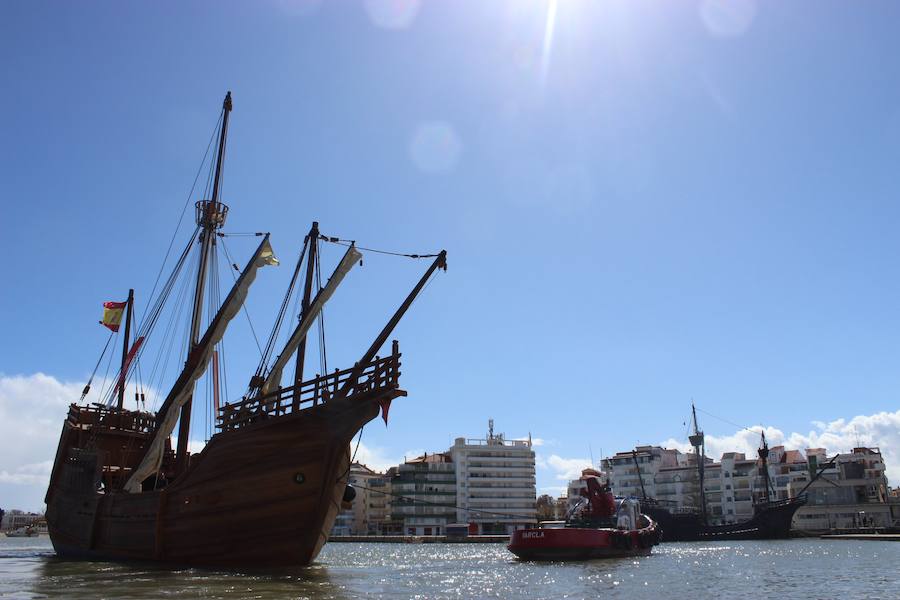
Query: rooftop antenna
(591, 451)
(490, 429)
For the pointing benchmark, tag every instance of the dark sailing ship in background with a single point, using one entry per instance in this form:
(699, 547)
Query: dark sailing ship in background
(266, 488)
(771, 518)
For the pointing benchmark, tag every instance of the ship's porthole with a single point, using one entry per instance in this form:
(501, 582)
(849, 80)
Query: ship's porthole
(299, 478)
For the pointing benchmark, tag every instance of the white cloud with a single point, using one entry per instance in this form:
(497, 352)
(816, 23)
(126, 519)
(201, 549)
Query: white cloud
(562, 469)
(32, 410)
(378, 459)
(33, 474)
(880, 430)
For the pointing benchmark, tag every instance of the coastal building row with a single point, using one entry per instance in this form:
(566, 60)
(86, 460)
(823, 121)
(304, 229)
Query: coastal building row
(487, 484)
(851, 492)
(17, 519)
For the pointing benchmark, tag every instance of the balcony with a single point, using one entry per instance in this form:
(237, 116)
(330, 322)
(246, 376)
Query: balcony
(475, 471)
(492, 458)
(478, 481)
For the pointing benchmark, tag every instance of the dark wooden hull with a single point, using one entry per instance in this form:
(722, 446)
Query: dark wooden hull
(262, 496)
(770, 522)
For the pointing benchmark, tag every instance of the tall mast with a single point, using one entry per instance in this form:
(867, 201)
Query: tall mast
(640, 477)
(121, 401)
(764, 466)
(313, 241)
(697, 442)
(210, 215)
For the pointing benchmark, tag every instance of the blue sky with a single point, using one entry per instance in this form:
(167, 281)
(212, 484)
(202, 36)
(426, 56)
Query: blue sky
(642, 202)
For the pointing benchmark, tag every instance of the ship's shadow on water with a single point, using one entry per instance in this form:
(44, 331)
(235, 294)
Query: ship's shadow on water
(57, 577)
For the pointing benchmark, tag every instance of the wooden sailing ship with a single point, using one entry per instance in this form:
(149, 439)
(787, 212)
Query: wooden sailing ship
(771, 518)
(266, 488)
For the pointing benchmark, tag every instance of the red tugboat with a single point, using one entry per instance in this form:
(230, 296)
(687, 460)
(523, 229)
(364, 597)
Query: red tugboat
(599, 526)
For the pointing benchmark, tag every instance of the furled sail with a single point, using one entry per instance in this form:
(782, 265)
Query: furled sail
(273, 379)
(196, 365)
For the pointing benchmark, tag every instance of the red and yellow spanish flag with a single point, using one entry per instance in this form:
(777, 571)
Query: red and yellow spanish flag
(112, 314)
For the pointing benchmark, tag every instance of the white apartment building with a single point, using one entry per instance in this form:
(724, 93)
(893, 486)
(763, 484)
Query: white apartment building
(424, 498)
(496, 476)
(852, 493)
(626, 480)
(379, 503)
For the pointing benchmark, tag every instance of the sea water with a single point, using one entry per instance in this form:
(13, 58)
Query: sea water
(779, 570)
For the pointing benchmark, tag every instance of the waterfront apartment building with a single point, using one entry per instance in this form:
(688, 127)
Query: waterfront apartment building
(735, 483)
(852, 493)
(424, 495)
(379, 505)
(487, 483)
(362, 515)
(495, 483)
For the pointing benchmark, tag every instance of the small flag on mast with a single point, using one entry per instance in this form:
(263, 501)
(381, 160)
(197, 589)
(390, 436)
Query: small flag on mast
(112, 315)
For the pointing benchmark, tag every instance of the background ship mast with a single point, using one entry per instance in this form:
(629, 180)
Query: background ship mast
(697, 442)
(764, 465)
(210, 215)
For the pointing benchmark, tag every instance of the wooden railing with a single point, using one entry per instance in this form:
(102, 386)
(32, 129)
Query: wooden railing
(380, 374)
(105, 417)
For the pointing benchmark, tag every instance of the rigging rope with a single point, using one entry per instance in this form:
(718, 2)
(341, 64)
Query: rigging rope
(106, 373)
(729, 422)
(184, 209)
(165, 348)
(342, 242)
(87, 387)
(243, 305)
(279, 320)
(323, 358)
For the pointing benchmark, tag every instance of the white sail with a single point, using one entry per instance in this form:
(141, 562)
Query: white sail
(196, 366)
(273, 379)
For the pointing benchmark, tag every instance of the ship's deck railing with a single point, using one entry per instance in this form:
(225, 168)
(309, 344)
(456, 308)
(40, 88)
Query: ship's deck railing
(380, 374)
(100, 416)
